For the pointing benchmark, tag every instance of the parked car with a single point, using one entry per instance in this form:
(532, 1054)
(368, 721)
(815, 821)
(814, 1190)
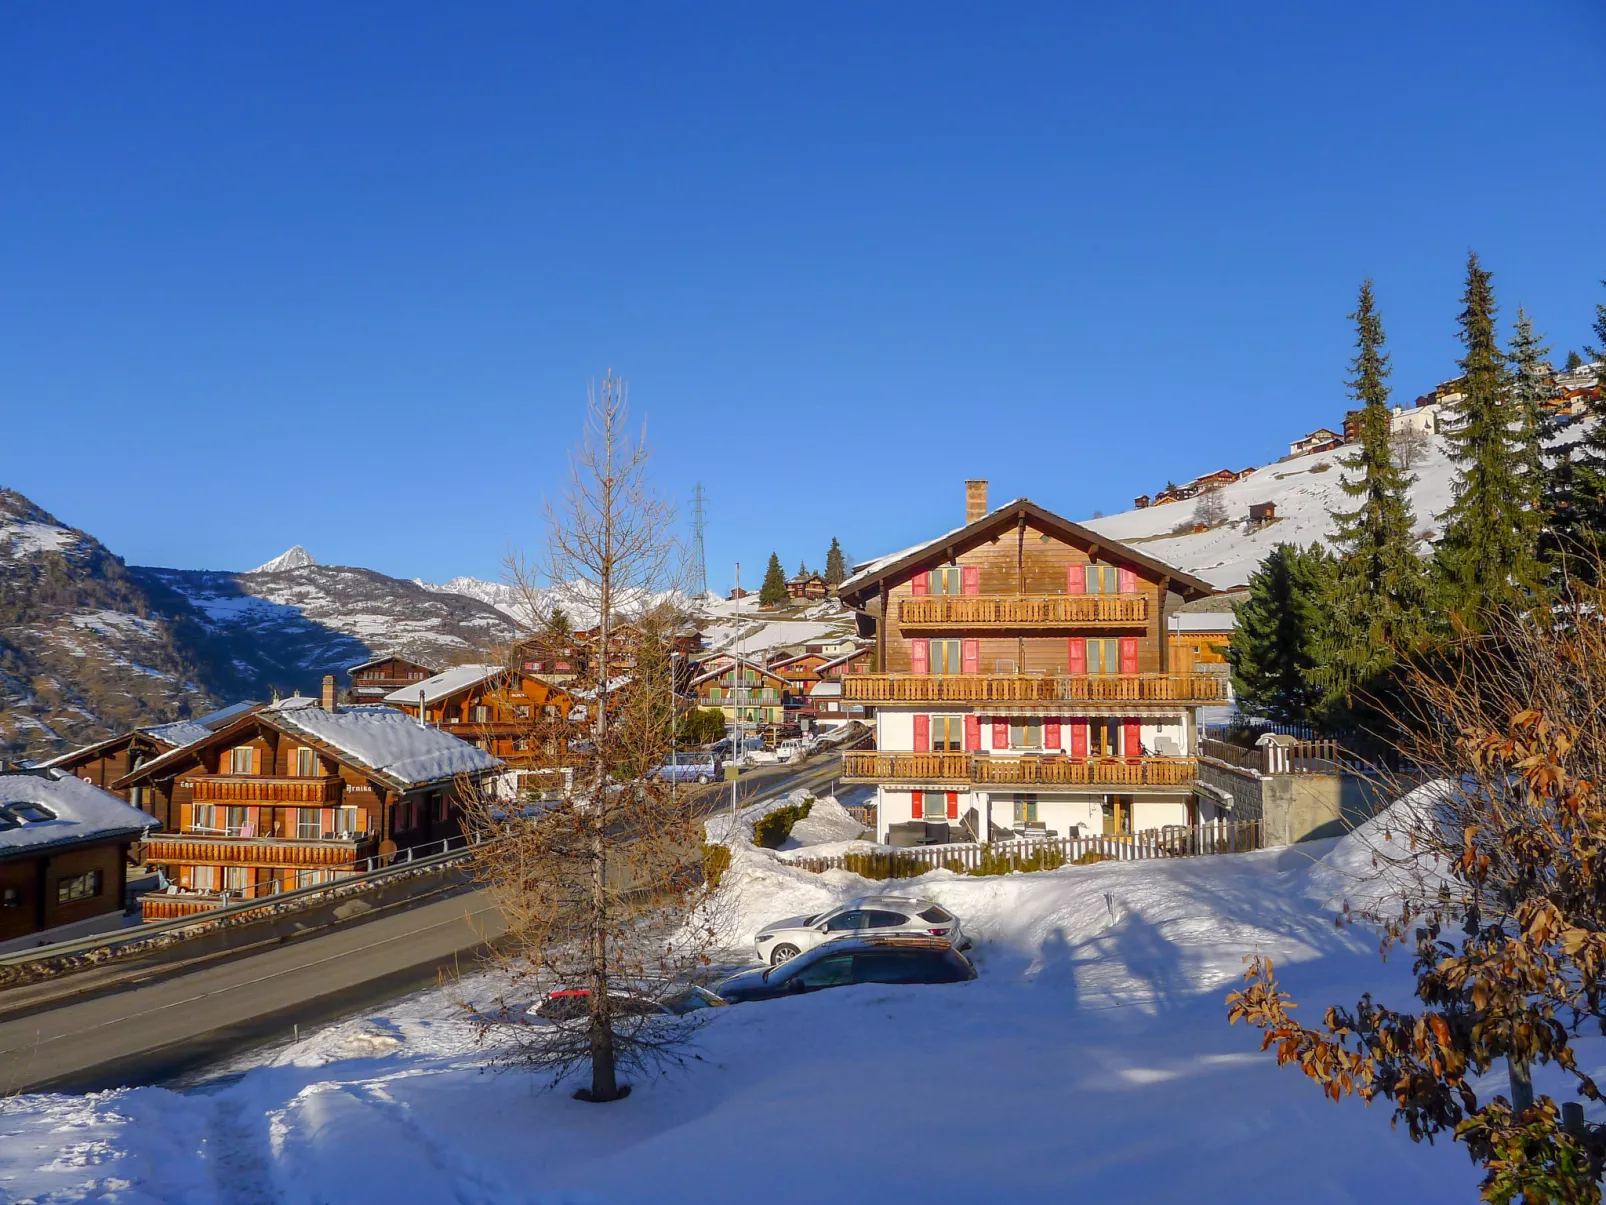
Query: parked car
(570, 1003)
(869, 915)
(693, 766)
(895, 958)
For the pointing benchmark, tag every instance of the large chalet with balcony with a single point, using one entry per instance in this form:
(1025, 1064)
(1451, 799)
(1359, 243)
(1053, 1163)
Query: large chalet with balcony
(298, 793)
(1024, 682)
(372, 680)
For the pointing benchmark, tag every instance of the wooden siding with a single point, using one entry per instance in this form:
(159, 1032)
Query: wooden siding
(1188, 689)
(1025, 611)
(984, 770)
(246, 789)
(248, 851)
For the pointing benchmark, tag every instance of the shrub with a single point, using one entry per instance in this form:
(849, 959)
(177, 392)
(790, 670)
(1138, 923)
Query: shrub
(774, 829)
(994, 862)
(883, 866)
(716, 861)
(1092, 856)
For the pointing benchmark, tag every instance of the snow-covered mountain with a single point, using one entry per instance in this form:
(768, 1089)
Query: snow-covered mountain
(577, 601)
(1305, 491)
(293, 558)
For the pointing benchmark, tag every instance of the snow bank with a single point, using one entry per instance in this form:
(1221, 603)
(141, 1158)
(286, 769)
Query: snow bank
(1383, 863)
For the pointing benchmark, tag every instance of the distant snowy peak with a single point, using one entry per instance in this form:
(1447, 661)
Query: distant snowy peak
(296, 558)
(575, 600)
(26, 530)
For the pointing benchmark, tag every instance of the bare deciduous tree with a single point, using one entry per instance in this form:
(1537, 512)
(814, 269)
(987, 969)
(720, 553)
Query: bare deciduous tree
(596, 865)
(1210, 510)
(1407, 447)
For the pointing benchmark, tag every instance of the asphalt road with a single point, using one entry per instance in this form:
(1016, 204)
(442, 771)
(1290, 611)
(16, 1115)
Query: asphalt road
(169, 1027)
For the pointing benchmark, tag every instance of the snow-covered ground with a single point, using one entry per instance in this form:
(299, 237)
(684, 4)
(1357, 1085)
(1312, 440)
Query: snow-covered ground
(1091, 1060)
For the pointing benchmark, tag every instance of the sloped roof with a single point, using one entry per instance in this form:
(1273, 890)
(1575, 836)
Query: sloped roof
(444, 684)
(873, 571)
(174, 735)
(78, 812)
(351, 669)
(764, 671)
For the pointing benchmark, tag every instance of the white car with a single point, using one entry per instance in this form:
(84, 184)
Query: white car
(869, 916)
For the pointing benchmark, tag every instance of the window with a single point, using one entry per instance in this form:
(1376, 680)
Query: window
(934, 805)
(1026, 809)
(203, 817)
(346, 822)
(1103, 579)
(945, 657)
(946, 580)
(521, 710)
(306, 763)
(234, 824)
(30, 813)
(442, 807)
(203, 878)
(947, 733)
(936, 915)
(480, 714)
(1103, 738)
(84, 886)
(309, 824)
(10, 898)
(311, 878)
(828, 972)
(240, 760)
(237, 878)
(879, 918)
(854, 918)
(1026, 734)
(904, 966)
(1103, 656)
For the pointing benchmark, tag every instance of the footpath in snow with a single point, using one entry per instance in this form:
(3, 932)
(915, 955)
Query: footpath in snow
(1090, 1060)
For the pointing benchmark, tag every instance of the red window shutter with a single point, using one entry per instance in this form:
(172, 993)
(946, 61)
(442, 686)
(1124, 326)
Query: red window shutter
(1128, 580)
(920, 656)
(953, 805)
(1129, 654)
(1051, 734)
(1132, 738)
(1076, 655)
(1078, 738)
(1000, 734)
(1075, 580)
(917, 805)
(970, 656)
(326, 817)
(921, 583)
(922, 734)
(972, 734)
(969, 579)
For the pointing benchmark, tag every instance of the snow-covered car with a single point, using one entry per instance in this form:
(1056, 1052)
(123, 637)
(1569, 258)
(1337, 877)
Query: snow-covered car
(869, 915)
(894, 958)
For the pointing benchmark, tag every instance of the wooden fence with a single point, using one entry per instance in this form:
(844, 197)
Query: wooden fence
(1221, 837)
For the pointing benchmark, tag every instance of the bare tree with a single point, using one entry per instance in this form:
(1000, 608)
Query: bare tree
(1407, 447)
(596, 865)
(1210, 510)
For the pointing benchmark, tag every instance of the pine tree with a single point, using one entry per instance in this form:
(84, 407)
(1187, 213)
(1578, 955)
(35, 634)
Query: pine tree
(1578, 517)
(773, 590)
(1532, 386)
(1574, 360)
(1486, 556)
(836, 567)
(1380, 592)
(1276, 645)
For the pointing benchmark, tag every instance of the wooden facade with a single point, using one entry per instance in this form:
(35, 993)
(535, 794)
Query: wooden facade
(1025, 651)
(373, 680)
(507, 713)
(107, 762)
(744, 691)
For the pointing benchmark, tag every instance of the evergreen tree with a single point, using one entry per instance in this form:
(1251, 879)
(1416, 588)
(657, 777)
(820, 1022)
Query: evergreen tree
(802, 568)
(1532, 385)
(1486, 556)
(1574, 360)
(1276, 646)
(836, 566)
(1578, 517)
(773, 590)
(1380, 591)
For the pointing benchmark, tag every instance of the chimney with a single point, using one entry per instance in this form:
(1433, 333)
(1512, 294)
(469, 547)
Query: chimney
(975, 499)
(328, 692)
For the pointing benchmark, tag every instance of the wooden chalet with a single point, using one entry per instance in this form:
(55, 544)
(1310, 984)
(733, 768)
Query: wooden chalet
(745, 691)
(810, 586)
(1141, 502)
(372, 680)
(801, 670)
(500, 710)
(1024, 681)
(1319, 440)
(297, 793)
(109, 761)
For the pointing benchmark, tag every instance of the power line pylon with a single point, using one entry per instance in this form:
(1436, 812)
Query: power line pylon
(699, 558)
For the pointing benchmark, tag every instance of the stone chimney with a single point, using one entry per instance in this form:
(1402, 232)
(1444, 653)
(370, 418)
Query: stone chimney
(328, 692)
(975, 499)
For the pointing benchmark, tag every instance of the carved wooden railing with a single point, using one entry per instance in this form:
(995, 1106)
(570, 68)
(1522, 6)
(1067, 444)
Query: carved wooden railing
(872, 766)
(256, 851)
(1025, 770)
(1023, 688)
(1024, 611)
(250, 788)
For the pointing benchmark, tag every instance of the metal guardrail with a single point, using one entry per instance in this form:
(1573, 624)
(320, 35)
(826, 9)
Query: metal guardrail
(401, 861)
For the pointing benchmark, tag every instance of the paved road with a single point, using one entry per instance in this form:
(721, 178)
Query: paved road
(167, 1027)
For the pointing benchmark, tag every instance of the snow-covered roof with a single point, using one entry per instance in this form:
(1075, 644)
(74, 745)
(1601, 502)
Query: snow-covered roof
(444, 684)
(829, 689)
(390, 742)
(72, 811)
(845, 657)
(179, 732)
(176, 734)
(383, 657)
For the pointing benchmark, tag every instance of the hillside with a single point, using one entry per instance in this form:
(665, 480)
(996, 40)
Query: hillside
(1305, 490)
(90, 646)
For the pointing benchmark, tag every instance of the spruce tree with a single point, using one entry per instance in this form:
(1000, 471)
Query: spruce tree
(1276, 646)
(1574, 360)
(836, 567)
(1578, 518)
(1380, 591)
(1486, 556)
(1532, 386)
(773, 590)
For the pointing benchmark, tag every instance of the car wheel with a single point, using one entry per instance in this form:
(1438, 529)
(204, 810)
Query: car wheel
(783, 953)
(702, 780)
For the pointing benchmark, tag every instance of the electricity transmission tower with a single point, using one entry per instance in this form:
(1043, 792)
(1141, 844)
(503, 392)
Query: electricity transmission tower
(699, 559)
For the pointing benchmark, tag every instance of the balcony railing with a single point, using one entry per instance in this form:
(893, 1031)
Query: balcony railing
(982, 769)
(1026, 688)
(206, 850)
(250, 788)
(1025, 611)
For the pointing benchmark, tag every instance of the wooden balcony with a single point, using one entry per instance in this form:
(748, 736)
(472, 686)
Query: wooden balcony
(206, 850)
(984, 770)
(1009, 612)
(1185, 689)
(242, 789)
(156, 907)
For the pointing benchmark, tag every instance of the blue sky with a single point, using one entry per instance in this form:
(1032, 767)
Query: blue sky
(338, 275)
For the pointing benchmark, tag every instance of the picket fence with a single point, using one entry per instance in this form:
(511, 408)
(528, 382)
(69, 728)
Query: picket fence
(1217, 837)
